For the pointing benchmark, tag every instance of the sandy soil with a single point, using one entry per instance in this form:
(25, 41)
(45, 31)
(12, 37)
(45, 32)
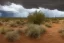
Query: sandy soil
(51, 36)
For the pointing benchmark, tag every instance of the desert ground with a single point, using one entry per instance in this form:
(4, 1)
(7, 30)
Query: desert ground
(52, 34)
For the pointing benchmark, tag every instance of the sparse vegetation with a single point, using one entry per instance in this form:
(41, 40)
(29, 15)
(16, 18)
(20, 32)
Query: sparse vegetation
(34, 31)
(19, 31)
(48, 25)
(19, 22)
(13, 25)
(62, 33)
(55, 20)
(47, 20)
(1, 23)
(62, 30)
(12, 36)
(15, 28)
(16, 23)
(36, 18)
(4, 30)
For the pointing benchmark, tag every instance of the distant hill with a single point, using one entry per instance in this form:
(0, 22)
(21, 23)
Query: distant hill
(6, 14)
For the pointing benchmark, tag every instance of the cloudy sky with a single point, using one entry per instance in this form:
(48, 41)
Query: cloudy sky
(51, 4)
(18, 10)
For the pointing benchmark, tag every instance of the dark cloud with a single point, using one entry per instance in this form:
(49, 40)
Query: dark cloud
(52, 4)
(16, 10)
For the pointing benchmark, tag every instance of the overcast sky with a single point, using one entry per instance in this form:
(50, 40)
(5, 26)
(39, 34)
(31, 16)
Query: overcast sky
(18, 10)
(51, 4)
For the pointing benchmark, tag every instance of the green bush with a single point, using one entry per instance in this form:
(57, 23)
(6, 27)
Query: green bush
(12, 36)
(36, 18)
(34, 31)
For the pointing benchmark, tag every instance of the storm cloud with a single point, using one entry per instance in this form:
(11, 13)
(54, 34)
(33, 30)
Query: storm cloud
(51, 4)
(17, 10)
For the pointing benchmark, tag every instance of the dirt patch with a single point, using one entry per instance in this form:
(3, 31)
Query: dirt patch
(51, 36)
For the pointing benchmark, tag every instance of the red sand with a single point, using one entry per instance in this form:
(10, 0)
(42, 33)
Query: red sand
(51, 36)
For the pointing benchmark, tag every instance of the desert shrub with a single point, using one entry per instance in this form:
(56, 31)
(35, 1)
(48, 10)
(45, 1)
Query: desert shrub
(34, 31)
(13, 25)
(55, 20)
(4, 30)
(48, 25)
(61, 33)
(16, 23)
(42, 30)
(62, 30)
(19, 22)
(5, 20)
(19, 31)
(36, 18)
(47, 20)
(1, 23)
(12, 36)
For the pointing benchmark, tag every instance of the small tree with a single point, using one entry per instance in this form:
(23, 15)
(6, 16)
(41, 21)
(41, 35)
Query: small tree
(36, 17)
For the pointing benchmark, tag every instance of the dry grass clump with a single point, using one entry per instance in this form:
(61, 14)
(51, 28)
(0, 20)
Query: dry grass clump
(12, 36)
(55, 20)
(5, 30)
(61, 33)
(16, 23)
(19, 31)
(13, 25)
(1, 23)
(19, 22)
(34, 31)
(48, 25)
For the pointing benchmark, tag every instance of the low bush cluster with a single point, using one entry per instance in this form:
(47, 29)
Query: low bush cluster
(61, 33)
(12, 36)
(34, 31)
(48, 25)
(5, 30)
